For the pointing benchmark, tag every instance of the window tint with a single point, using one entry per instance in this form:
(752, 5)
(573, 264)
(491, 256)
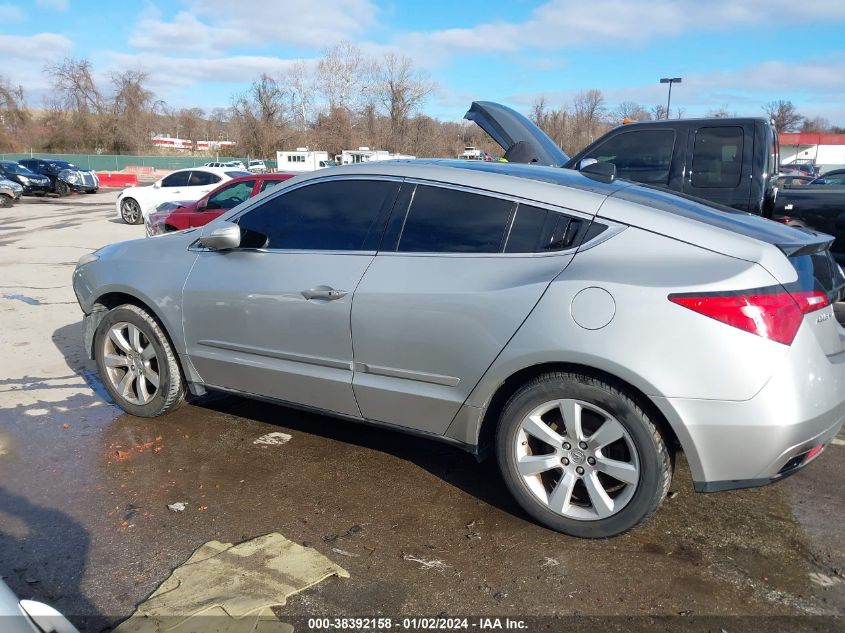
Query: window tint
(639, 155)
(526, 230)
(267, 184)
(336, 216)
(176, 179)
(717, 157)
(231, 196)
(203, 178)
(448, 221)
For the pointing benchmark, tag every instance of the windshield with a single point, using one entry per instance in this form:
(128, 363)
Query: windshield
(16, 168)
(237, 174)
(63, 165)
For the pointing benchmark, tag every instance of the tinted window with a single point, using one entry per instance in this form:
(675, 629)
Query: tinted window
(640, 155)
(238, 174)
(527, 229)
(203, 178)
(717, 157)
(335, 216)
(267, 184)
(231, 196)
(176, 179)
(448, 221)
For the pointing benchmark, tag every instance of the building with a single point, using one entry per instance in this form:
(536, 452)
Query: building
(367, 155)
(168, 142)
(825, 151)
(302, 159)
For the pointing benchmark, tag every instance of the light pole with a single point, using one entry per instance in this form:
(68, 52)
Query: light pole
(670, 81)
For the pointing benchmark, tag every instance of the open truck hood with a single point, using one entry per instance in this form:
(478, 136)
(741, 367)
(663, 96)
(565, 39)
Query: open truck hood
(516, 134)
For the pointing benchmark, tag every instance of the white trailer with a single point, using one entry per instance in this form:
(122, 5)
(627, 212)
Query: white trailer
(471, 153)
(302, 159)
(367, 155)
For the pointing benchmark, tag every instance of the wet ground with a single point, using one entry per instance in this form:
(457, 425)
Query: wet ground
(422, 527)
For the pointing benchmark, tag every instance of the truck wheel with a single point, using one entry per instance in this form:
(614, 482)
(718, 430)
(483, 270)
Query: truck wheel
(62, 189)
(136, 362)
(581, 457)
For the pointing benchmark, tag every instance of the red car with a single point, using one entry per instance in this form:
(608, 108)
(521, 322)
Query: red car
(175, 216)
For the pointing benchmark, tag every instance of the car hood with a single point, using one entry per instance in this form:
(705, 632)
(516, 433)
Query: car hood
(515, 132)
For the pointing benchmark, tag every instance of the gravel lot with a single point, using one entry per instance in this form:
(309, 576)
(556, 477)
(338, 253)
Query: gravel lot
(84, 489)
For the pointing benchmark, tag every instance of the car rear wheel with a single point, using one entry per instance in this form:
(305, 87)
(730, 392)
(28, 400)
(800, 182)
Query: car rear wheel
(6, 201)
(130, 211)
(136, 362)
(62, 188)
(581, 457)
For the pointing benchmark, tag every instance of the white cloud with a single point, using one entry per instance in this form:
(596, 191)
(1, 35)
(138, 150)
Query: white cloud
(56, 5)
(24, 58)
(10, 13)
(214, 26)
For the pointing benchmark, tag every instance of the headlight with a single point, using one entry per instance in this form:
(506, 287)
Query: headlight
(87, 259)
(69, 176)
(23, 179)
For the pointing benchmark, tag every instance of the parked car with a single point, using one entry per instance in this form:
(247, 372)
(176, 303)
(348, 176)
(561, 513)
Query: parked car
(10, 192)
(28, 616)
(64, 177)
(800, 168)
(782, 180)
(136, 203)
(257, 167)
(31, 182)
(580, 328)
(177, 216)
(236, 164)
(833, 177)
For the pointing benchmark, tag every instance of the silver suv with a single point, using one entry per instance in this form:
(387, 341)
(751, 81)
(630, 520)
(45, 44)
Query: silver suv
(582, 328)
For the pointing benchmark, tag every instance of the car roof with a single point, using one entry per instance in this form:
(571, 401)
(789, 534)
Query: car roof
(532, 182)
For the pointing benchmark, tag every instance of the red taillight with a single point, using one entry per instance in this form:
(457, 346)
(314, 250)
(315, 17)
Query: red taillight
(814, 452)
(773, 315)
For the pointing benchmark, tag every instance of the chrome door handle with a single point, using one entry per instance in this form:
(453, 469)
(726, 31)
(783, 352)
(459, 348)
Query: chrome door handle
(324, 292)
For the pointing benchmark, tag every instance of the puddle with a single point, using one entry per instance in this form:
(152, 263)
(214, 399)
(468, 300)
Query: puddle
(24, 298)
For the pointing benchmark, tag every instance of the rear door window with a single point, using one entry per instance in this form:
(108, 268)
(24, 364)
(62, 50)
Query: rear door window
(639, 155)
(717, 157)
(443, 220)
(203, 178)
(176, 179)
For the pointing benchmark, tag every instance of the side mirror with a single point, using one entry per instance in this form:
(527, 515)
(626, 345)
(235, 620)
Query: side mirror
(586, 162)
(157, 184)
(202, 205)
(603, 172)
(222, 236)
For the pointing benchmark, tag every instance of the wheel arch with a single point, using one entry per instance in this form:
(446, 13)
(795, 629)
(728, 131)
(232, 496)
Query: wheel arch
(489, 417)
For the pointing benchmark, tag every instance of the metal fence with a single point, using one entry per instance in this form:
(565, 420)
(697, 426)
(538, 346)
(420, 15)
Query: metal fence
(118, 162)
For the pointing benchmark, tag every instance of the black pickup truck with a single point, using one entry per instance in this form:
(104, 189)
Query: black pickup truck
(730, 161)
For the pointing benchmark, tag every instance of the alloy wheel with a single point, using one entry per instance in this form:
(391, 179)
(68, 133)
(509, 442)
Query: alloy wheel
(131, 211)
(577, 459)
(131, 362)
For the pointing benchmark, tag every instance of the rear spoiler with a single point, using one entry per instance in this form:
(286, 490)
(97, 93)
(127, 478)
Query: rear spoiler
(816, 243)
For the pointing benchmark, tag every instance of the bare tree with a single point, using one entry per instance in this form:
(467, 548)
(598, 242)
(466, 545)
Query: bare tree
(300, 87)
(401, 89)
(15, 118)
(816, 124)
(131, 111)
(588, 112)
(720, 113)
(784, 114)
(73, 86)
(259, 117)
(632, 111)
(342, 74)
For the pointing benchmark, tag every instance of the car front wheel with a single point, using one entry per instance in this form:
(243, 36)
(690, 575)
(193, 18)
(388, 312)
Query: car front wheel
(130, 211)
(136, 362)
(6, 201)
(581, 457)
(62, 189)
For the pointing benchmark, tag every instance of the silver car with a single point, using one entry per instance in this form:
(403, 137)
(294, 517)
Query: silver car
(581, 328)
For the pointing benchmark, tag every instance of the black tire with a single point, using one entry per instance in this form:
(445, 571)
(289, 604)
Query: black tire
(62, 189)
(91, 190)
(6, 201)
(170, 392)
(655, 461)
(130, 211)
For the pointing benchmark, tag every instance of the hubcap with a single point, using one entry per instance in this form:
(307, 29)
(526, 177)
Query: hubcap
(131, 211)
(577, 459)
(131, 363)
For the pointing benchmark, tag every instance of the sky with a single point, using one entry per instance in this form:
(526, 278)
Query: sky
(732, 54)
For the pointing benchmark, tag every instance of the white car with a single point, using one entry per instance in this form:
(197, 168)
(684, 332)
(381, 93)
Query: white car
(257, 167)
(236, 164)
(136, 203)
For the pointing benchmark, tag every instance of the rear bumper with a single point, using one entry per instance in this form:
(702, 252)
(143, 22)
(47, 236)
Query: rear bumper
(740, 444)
